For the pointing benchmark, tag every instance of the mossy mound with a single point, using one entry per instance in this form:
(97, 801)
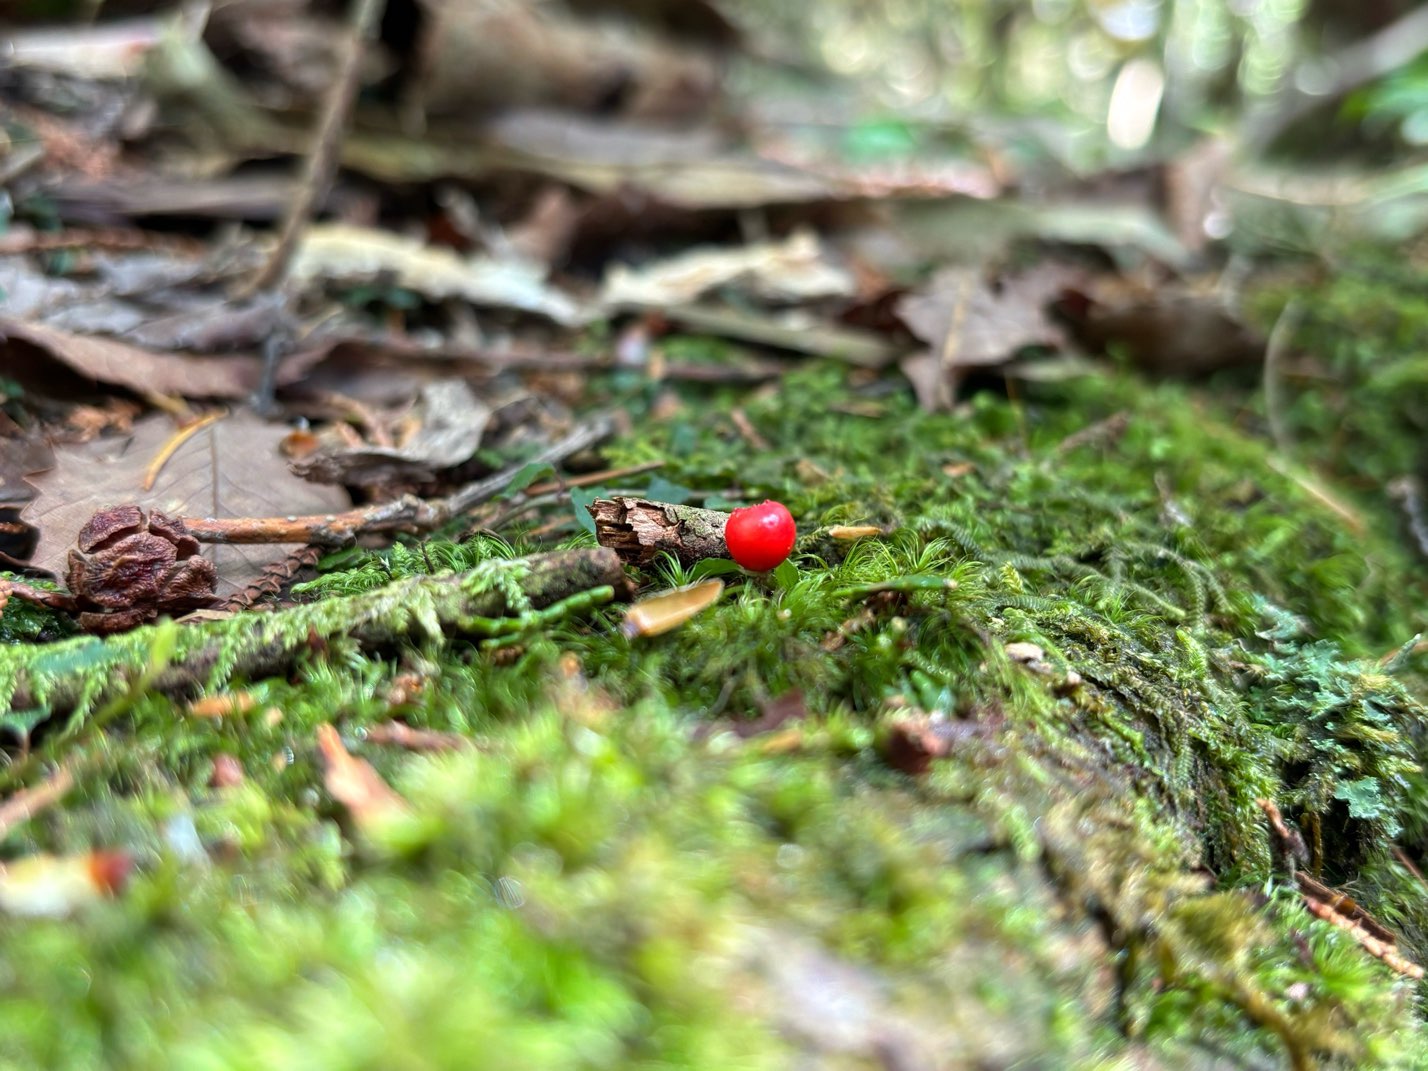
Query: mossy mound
(624, 874)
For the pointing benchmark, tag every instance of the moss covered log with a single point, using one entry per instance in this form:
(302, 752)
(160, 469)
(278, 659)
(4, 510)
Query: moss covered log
(1126, 621)
(496, 598)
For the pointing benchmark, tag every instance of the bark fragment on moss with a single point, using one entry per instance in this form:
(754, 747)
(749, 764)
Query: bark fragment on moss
(639, 530)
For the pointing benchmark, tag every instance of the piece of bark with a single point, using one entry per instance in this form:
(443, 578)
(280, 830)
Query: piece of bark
(639, 530)
(367, 620)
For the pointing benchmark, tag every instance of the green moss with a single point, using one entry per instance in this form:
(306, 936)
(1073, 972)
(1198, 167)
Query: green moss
(24, 622)
(614, 880)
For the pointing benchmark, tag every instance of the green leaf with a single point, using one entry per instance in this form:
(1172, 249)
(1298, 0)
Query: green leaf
(662, 490)
(880, 139)
(526, 475)
(786, 575)
(580, 499)
(713, 567)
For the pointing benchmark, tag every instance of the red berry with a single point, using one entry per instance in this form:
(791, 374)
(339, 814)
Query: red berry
(760, 537)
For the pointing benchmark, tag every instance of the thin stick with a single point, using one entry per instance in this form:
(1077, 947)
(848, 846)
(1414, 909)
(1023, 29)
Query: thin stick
(1320, 493)
(156, 466)
(407, 513)
(1360, 63)
(589, 478)
(322, 161)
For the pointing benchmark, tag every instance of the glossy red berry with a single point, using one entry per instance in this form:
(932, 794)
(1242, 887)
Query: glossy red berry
(760, 537)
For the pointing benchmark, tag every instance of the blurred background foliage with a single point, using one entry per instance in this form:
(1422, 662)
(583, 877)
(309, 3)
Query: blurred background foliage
(1105, 82)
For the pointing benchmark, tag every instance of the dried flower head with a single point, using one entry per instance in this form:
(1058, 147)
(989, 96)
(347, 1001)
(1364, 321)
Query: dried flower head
(129, 567)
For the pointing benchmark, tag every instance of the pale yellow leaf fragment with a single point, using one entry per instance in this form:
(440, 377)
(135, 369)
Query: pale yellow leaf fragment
(661, 613)
(353, 783)
(849, 532)
(53, 886)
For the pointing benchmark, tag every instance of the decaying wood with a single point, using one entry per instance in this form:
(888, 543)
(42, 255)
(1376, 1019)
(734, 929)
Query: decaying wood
(639, 530)
(367, 621)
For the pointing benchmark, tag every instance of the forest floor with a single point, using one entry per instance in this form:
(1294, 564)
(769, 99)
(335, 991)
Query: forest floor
(1083, 728)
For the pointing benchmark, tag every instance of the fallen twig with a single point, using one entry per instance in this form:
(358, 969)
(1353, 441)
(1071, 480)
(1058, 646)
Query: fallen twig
(1392, 47)
(1342, 911)
(405, 514)
(1320, 493)
(400, 734)
(590, 478)
(322, 160)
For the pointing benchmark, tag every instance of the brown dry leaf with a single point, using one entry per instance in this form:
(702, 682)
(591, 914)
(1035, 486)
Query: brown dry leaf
(661, 613)
(970, 323)
(685, 167)
(451, 422)
(487, 56)
(353, 783)
(339, 252)
(1178, 331)
(28, 347)
(293, 48)
(912, 741)
(51, 886)
(691, 169)
(233, 468)
(970, 230)
(774, 717)
(20, 456)
(792, 270)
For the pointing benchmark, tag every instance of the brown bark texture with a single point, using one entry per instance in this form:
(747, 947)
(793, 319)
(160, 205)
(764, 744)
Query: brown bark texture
(639, 530)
